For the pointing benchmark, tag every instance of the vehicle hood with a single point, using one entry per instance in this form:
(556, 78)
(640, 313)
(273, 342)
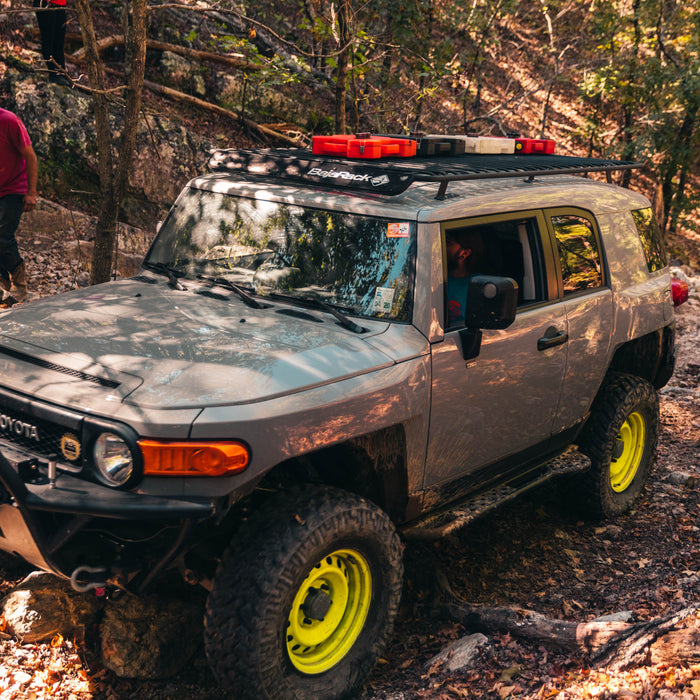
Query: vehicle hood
(152, 346)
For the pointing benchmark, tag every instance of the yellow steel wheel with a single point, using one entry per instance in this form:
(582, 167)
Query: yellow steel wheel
(628, 452)
(329, 611)
(620, 438)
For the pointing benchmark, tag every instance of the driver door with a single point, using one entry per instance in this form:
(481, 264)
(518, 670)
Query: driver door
(504, 401)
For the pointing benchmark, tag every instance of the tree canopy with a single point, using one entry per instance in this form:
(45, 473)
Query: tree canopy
(617, 79)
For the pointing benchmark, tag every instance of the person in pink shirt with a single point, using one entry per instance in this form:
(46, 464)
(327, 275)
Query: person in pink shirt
(52, 27)
(18, 177)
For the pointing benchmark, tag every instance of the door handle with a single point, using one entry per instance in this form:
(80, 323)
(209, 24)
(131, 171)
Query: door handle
(547, 342)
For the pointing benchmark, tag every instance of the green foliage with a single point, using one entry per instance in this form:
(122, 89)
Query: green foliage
(633, 62)
(649, 83)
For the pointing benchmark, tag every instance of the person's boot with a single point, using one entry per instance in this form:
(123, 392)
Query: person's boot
(17, 291)
(4, 289)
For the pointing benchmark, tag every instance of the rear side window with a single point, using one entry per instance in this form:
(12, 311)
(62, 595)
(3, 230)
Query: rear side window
(650, 236)
(579, 253)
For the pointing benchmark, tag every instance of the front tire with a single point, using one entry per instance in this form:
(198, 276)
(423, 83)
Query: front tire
(305, 597)
(620, 439)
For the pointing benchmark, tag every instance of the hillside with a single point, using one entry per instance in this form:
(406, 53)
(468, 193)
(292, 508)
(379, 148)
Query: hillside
(526, 72)
(533, 554)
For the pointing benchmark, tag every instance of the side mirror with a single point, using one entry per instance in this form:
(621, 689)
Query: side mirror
(491, 302)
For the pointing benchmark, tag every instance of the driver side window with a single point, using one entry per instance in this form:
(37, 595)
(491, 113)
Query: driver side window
(509, 248)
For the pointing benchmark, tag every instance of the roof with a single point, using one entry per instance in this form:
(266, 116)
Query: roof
(391, 176)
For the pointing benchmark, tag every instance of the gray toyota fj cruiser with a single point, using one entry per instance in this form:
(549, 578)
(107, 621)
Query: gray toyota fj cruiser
(280, 391)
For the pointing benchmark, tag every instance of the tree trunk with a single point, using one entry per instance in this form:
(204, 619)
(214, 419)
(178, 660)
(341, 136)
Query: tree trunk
(134, 18)
(341, 74)
(106, 218)
(678, 157)
(555, 56)
(113, 179)
(627, 145)
(630, 96)
(687, 132)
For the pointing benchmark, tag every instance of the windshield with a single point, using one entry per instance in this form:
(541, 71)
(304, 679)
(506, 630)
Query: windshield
(362, 264)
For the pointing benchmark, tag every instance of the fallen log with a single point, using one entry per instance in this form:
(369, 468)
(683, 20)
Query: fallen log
(677, 647)
(527, 624)
(634, 648)
(184, 97)
(154, 45)
(607, 643)
(196, 54)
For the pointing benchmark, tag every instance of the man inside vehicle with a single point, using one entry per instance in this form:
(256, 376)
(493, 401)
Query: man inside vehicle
(464, 248)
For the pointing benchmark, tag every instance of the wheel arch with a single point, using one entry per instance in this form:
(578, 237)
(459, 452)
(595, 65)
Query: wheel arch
(651, 356)
(373, 465)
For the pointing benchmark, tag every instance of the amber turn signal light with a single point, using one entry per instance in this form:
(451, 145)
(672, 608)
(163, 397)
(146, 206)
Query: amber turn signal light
(193, 458)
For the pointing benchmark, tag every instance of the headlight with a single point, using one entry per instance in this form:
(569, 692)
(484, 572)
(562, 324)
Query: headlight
(113, 459)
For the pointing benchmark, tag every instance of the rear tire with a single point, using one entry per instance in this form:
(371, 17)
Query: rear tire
(305, 597)
(620, 438)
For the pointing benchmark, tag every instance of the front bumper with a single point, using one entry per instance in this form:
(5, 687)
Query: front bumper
(28, 530)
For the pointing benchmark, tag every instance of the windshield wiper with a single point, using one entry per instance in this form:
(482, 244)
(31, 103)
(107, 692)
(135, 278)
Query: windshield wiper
(313, 303)
(227, 284)
(170, 272)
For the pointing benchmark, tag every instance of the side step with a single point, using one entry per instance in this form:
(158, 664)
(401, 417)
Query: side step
(461, 513)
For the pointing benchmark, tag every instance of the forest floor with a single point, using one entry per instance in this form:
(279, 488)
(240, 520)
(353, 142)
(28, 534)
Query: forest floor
(531, 554)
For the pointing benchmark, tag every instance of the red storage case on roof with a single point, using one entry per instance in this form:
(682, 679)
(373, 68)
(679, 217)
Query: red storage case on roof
(363, 146)
(330, 145)
(541, 146)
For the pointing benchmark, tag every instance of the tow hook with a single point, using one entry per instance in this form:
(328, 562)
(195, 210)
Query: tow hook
(87, 578)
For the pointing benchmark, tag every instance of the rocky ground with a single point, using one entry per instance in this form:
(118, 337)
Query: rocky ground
(533, 554)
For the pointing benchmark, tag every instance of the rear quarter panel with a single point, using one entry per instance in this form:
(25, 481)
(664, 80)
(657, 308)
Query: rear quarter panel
(641, 299)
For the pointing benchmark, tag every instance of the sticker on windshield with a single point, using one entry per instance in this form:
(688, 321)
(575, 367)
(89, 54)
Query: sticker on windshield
(383, 299)
(394, 230)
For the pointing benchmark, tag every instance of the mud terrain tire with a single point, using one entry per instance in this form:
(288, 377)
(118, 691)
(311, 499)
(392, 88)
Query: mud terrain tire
(620, 439)
(305, 597)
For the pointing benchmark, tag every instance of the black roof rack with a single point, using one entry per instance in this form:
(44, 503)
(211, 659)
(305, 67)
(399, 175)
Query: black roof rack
(392, 176)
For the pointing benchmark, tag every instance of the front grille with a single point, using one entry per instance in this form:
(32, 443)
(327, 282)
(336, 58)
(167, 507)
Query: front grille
(37, 436)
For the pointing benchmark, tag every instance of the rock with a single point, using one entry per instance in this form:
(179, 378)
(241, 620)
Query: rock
(683, 479)
(182, 74)
(461, 653)
(622, 616)
(47, 218)
(61, 125)
(83, 279)
(44, 605)
(610, 530)
(149, 637)
(128, 264)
